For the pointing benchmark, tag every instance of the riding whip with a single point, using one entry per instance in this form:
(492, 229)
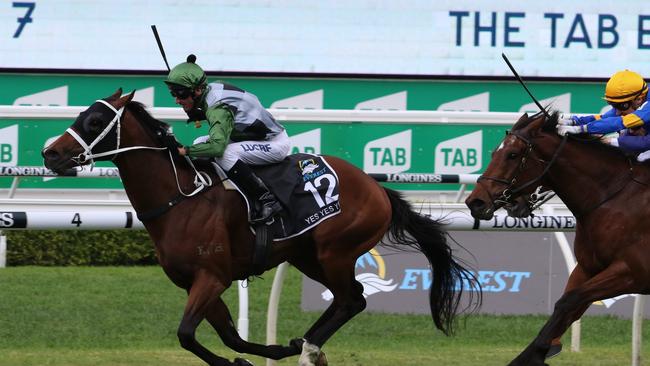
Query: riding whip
(160, 46)
(524, 85)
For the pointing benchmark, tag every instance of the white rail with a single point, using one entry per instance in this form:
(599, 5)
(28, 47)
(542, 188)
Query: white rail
(296, 115)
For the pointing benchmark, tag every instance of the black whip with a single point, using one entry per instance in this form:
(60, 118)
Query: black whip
(160, 46)
(524, 85)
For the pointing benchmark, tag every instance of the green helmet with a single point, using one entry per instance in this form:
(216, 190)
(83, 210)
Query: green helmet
(187, 75)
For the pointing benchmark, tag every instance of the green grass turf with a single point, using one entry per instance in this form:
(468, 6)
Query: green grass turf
(129, 316)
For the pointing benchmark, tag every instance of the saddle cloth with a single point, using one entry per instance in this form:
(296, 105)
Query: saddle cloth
(308, 189)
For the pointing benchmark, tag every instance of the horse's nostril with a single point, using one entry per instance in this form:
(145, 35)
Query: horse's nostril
(50, 154)
(476, 204)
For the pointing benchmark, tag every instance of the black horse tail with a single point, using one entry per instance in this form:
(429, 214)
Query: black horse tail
(450, 276)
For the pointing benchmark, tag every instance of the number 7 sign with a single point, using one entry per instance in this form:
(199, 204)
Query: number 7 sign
(27, 18)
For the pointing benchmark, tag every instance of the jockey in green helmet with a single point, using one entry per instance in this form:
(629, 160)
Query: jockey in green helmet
(241, 132)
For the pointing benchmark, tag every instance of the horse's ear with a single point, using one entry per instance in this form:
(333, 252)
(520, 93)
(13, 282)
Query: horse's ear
(523, 117)
(129, 97)
(125, 99)
(116, 95)
(507, 132)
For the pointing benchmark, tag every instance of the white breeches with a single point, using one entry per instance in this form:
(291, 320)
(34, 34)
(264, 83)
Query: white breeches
(253, 152)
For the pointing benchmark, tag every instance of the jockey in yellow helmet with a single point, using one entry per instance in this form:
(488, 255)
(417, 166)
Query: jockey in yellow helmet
(627, 93)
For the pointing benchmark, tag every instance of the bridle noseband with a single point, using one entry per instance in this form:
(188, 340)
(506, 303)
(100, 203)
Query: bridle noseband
(511, 192)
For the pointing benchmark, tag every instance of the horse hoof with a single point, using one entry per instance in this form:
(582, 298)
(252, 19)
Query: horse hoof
(553, 351)
(296, 344)
(322, 359)
(242, 362)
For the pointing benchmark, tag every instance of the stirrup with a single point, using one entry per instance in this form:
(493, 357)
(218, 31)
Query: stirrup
(266, 213)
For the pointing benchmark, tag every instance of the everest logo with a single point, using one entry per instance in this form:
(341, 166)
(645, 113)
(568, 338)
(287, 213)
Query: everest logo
(306, 142)
(390, 154)
(373, 275)
(9, 146)
(460, 155)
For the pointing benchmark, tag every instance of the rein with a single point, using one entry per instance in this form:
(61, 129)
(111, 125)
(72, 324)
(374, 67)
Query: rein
(201, 180)
(511, 191)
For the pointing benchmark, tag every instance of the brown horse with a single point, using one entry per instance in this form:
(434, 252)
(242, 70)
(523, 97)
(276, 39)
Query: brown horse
(605, 190)
(204, 242)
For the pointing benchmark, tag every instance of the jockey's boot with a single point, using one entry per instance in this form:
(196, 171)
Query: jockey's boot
(266, 205)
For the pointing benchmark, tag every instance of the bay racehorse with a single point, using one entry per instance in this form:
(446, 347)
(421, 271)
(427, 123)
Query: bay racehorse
(204, 242)
(607, 192)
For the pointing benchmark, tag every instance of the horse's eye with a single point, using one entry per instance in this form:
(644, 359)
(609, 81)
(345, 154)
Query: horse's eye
(512, 155)
(94, 125)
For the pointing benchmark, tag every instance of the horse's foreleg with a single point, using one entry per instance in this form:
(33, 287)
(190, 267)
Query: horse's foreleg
(576, 278)
(204, 293)
(219, 317)
(613, 281)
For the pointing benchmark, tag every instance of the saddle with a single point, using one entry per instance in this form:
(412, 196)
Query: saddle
(308, 189)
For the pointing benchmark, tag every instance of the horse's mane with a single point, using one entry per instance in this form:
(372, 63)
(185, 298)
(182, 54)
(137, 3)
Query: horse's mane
(140, 112)
(550, 125)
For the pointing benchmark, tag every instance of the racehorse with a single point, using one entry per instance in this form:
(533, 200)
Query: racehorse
(204, 242)
(605, 190)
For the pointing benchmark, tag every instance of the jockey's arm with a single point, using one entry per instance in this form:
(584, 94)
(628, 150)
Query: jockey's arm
(221, 121)
(616, 123)
(583, 120)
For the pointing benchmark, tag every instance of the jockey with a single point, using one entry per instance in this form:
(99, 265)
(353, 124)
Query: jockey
(240, 131)
(627, 93)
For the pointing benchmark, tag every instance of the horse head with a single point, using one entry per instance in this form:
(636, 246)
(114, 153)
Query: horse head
(97, 134)
(517, 168)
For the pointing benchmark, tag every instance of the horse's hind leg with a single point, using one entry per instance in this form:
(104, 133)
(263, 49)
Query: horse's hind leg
(204, 293)
(219, 317)
(348, 301)
(615, 280)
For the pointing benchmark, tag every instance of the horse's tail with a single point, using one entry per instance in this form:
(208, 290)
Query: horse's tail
(450, 276)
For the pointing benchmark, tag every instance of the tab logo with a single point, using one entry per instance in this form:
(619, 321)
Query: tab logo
(390, 154)
(56, 96)
(460, 155)
(9, 146)
(306, 142)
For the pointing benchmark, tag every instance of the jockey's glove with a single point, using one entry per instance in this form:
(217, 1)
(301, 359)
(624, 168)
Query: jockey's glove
(563, 130)
(169, 141)
(196, 114)
(567, 120)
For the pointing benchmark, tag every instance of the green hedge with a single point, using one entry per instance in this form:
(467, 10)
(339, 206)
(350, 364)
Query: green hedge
(79, 248)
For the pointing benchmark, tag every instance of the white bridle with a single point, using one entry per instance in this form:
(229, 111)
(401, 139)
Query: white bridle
(201, 180)
(87, 154)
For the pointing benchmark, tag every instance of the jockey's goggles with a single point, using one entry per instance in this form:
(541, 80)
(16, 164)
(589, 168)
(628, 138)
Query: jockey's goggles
(181, 93)
(621, 106)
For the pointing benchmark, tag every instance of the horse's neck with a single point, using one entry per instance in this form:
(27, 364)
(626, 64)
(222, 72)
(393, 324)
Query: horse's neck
(149, 179)
(585, 176)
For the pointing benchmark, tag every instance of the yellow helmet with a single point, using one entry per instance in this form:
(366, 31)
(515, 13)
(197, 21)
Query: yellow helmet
(624, 86)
